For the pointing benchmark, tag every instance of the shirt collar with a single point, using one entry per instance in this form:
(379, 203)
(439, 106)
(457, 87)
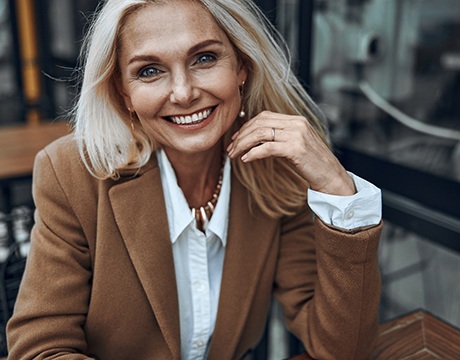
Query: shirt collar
(177, 209)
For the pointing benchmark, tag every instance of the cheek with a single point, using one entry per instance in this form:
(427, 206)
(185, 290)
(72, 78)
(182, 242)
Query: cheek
(222, 80)
(228, 89)
(146, 101)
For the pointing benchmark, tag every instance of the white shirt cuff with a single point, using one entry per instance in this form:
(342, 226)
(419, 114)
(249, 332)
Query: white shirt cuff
(349, 212)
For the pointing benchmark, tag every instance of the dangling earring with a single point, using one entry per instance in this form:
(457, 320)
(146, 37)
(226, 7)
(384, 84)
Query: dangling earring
(242, 113)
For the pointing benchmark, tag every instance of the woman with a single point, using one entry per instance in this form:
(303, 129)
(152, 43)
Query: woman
(152, 243)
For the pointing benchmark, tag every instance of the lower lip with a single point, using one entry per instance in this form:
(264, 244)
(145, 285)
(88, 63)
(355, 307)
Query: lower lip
(197, 126)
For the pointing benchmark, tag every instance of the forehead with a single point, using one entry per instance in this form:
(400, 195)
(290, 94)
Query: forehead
(168, 25)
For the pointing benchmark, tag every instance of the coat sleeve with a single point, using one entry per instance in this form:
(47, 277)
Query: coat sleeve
(328, 284)
(52, 303)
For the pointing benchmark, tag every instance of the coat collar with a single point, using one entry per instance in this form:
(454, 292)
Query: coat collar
(140, 213)
(139, 209)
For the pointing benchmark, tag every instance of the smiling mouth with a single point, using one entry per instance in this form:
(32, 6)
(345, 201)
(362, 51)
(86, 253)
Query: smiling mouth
(191, 119)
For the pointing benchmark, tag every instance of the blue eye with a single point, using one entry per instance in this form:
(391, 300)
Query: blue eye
(148, 72)
(206, 58)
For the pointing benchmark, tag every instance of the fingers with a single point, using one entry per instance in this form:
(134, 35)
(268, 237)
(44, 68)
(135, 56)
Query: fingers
(263, 151)
(254, 139)
(266, 128)
(293, 138)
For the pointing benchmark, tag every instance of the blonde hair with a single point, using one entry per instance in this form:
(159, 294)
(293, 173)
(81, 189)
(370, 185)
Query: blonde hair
(271, 85)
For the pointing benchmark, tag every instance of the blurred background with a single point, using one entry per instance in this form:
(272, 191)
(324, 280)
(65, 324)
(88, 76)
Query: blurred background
(386, 73)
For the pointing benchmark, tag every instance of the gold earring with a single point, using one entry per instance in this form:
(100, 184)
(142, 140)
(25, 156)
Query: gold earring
(242, 113)
(131, 118)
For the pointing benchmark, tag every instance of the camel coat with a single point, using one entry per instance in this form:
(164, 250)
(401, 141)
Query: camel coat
(100, 283)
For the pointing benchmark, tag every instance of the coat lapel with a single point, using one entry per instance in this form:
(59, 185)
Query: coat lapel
(249, 240)
(140, 213)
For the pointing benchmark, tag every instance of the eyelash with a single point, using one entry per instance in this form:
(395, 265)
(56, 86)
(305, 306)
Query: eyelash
(142, 72)
(209, 58)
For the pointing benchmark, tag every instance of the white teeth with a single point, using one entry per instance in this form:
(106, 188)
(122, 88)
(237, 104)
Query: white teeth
(191, 119)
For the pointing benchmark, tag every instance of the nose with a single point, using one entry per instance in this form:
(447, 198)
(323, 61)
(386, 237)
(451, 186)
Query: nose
(183, 91)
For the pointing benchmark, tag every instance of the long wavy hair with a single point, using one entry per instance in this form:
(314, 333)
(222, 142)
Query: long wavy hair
(102, 124)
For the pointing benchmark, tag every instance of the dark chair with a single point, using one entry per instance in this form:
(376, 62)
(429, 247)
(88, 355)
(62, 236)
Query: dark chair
(11, 272)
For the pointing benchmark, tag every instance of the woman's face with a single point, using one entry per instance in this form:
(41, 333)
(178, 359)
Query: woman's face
(180, 74)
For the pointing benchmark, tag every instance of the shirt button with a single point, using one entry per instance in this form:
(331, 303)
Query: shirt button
(199, 343)
(350, 214)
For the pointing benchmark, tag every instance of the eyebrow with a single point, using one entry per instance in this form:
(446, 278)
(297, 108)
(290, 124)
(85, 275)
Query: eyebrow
(192, 50)
(204, 44)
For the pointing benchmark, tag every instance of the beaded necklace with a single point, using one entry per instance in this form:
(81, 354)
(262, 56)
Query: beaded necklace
(203, 213)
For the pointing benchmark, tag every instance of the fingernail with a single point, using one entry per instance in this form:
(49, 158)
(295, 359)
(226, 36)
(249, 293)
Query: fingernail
(244, 158)
(235, 135)
(230, 147)
(230, 150)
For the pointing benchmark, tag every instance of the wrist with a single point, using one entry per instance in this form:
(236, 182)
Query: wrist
(340, 186)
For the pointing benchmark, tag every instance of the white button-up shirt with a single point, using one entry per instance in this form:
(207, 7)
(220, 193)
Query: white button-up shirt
(198, 260)
(199, 257)
(349, 212)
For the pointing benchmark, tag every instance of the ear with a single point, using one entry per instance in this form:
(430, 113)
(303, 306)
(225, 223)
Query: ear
(242, 72)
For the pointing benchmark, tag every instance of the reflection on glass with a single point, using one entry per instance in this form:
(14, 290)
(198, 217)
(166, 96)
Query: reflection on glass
(9, 95)
(387, 75)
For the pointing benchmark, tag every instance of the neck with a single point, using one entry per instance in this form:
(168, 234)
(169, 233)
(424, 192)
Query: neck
(197, 174)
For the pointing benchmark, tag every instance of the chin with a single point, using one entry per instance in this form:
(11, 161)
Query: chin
(195, 146)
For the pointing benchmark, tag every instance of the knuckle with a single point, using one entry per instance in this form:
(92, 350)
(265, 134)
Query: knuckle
(265, 113)
(301, 118)
(259, 134)
(259, 122)
(302, 121)
(269, 147)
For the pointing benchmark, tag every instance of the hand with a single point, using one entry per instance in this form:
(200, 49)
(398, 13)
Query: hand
(294, 138)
